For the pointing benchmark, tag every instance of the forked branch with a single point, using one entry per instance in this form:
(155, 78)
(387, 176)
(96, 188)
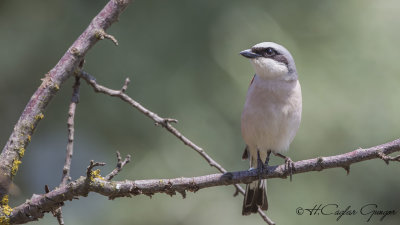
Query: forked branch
(34, 111)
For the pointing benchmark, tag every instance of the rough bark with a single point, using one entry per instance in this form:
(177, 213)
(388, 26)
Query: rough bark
(35, 207)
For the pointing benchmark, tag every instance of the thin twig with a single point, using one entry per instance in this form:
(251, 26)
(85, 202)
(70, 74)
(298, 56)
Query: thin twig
(113, 189)
(125, 87)
(265, 217)
(65, 178)
(71, 130)
(120, 165)
(164, 122)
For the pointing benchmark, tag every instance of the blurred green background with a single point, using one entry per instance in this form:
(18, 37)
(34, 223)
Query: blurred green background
(182, 58)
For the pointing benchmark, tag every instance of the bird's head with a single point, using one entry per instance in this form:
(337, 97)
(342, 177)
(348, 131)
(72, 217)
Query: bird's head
(271, 61)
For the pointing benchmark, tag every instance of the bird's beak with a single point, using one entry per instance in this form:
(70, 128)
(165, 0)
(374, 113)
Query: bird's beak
(249, 54)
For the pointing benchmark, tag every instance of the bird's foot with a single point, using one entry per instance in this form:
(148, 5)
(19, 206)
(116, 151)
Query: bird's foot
(289, 164)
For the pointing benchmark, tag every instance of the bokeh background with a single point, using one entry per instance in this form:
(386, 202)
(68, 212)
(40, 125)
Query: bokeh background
(182, 58)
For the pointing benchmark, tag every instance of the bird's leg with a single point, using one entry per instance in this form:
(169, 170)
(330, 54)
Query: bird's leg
(288, 164)
(260, 164)
(267, 159)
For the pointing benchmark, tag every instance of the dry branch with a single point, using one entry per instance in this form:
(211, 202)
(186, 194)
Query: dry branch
(51, 201)
(65, 178)
(71, 131)
(34, 111)
(164, 122)
(38, 204)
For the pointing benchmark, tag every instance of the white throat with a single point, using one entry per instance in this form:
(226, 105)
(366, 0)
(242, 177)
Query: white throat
(268, 68)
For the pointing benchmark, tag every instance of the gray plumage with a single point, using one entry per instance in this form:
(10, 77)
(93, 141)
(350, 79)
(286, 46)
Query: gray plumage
(271, 114)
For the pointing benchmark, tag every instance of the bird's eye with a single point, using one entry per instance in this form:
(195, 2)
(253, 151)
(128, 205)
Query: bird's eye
(269, 51)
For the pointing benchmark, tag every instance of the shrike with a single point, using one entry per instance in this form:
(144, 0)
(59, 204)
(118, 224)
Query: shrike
(271, 114)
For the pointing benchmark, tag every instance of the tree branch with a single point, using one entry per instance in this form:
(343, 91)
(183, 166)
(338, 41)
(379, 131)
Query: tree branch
(34, 111)
(38, 204)
(164, 122)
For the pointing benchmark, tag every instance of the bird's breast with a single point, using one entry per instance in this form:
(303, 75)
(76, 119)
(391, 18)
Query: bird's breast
(271, 115)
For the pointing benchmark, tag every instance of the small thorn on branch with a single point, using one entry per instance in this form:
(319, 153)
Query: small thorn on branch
(183, 193)
(347, 168)
(120, 165)
(127, 81)
(101, 34)
(387, 158)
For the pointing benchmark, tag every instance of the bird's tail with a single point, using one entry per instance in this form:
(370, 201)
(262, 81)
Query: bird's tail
(255, 196)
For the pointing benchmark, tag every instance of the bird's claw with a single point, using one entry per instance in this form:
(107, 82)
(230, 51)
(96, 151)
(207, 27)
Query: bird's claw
(289, 166)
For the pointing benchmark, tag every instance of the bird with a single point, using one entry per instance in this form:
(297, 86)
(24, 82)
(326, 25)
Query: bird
(271, 115)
